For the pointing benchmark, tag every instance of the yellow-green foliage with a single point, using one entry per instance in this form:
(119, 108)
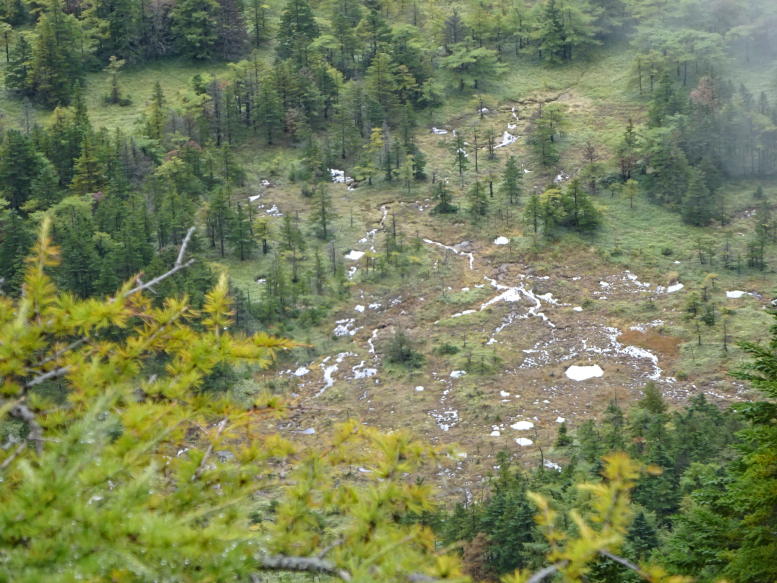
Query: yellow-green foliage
(600, 531)
(122, 470)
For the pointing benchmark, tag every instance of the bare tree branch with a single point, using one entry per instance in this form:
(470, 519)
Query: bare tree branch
(621, 561)
(21, 411)
(325, 551)
(72, 346)
(219, 428)
(46, 376)
(322, 566)
(302, 565)
(7, 461)
(546, 572)
(179, 265)
(184, 245)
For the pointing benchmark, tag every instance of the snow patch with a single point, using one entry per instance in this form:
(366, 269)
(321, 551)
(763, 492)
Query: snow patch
(501, 241)
(458, 373)
(507, 139)
(301, 371)
(523, 441)
(339, 177)
(583, 373)
(343, 327)
(736, 294)
(522, 425)
(354, 255)
(359, 372)
(445, 419)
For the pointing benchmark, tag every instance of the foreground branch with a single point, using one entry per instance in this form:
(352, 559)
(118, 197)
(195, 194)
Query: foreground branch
(47, 376)
(22, 412)
(621, 561)
(322, 567)
(222, 424)
(179, 265)
(546, 572)
(302, 565)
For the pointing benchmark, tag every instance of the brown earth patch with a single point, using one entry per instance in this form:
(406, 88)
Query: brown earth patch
(664, 346)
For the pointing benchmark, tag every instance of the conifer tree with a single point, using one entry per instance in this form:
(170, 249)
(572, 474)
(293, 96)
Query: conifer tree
(57, 58)
(195, 25)
(698, 204)
(20, 164)
(478, 201)
(240, 233)
(17, 72)
(297, 30)
(512, 176)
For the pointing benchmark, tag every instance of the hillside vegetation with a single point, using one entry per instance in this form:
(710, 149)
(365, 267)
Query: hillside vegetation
(528, 233)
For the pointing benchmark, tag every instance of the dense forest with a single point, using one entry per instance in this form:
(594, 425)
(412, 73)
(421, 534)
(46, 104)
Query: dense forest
(422, 232)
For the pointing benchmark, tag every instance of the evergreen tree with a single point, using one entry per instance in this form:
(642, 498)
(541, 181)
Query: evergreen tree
(698, 205)
(512, 176)
(232, 35)
(240, 233)
(195, 26)
(18, 70)
(15, 240)
(478, 201)
(20, 165)
(444, 198)
(116, 27)
(57, 56)
(156, 117)
(297, 30)
(323, 213)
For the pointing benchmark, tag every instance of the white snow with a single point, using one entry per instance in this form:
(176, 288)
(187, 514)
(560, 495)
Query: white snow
(339, 176)
(501, 241)
(359, 372)
(495, 433)
(354, 255)
(522, 425)
(439, 132)
(254, 197)
(560, 420)
(675, 287)
(464, 313)
(454, 250)
(370, 341)
(419, 389)
(504, 394)
(552, 465)
(274, 211)
(507, 139)
(458, 373)
(578, 308)
(445, 419)
(523, 441)
(308, 431)
(582, 373)
(301, 371)
(343, 327)
(736, 294)
(359, 308)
